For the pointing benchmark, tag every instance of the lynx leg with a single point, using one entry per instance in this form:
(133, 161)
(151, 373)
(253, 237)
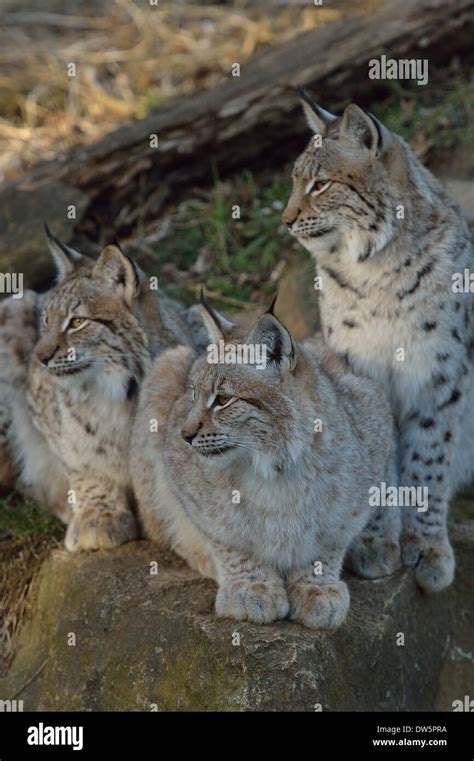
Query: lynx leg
(376, 551)
(101, 516)
(318, 598)
(247, 591)
(429, 438)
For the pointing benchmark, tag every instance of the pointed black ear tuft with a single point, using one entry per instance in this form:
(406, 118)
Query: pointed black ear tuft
(52, 239)
(304, 96)
(65, 258)
(217, 326)
(116, 242)
(317, 118)
(208, 307)
(271, 308)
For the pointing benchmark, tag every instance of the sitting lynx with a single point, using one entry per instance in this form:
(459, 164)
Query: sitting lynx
(255, 493)
(389, 242)
(99, 329)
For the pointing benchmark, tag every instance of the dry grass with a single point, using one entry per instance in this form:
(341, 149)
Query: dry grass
(131, 57)
(20, 562)
(27, 535)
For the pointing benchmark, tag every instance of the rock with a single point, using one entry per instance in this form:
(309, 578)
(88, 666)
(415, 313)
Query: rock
(152, 642)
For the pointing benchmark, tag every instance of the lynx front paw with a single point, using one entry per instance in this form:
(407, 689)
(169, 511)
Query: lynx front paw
(318, 607)
(372, 557)
(93, 529)
(257, 601)
(433, 562)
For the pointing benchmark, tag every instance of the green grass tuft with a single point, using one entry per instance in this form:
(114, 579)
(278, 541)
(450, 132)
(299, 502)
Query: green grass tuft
(22, 518)
(242, 252)
(443, 113)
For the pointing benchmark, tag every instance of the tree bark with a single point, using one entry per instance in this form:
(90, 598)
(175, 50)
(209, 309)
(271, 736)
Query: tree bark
(246, 121)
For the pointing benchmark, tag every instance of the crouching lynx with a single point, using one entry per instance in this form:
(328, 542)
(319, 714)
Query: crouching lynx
(389, 244)
(267, 485)
(70, 425)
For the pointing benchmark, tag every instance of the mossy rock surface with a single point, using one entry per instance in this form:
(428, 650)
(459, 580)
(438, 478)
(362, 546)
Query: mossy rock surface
(152, 642)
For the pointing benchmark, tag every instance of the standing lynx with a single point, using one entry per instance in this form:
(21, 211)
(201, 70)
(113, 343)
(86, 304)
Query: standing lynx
(268, 483)
(388, 240)
(100, 327)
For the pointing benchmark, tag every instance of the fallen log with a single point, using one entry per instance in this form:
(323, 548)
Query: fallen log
(124, 179)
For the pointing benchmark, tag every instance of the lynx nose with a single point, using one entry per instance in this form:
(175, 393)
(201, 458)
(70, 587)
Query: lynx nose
(188, 432)
(290, 216)
(45, 356)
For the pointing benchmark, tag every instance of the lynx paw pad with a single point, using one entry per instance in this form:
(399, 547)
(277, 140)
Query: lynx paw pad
(257, 601)
(434, 563)
(373, 557)
(93, 529)
(319, 607)
(435, 570)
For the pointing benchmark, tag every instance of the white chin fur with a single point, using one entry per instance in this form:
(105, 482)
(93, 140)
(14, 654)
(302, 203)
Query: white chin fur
(355, 243)
(113, 384)
(222, 460)
(320, 245)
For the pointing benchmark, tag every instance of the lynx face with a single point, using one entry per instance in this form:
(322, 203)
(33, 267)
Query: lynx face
(341, 184)
(241, 411)
(233, 410)
(88, 331)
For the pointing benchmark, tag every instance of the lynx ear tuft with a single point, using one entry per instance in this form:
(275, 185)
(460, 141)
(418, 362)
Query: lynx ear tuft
(217, 326)
(65, 258)
(271, 308)
(118, 270)
(317, 118)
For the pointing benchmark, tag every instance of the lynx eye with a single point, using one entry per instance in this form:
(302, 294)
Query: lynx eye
(222, 401)
(319, 186)
(76, 322)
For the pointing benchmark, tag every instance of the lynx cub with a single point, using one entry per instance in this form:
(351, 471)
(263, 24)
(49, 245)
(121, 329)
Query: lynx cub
(70, 424)
(267, 485)
(388, 242)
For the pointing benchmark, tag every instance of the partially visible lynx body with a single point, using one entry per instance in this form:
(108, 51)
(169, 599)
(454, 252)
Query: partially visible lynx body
(18, 335)
(389, 242)
(100, 327)
(255, 492)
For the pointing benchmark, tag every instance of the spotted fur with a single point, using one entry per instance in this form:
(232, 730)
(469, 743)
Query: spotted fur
(93, 336)
(387, 240)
